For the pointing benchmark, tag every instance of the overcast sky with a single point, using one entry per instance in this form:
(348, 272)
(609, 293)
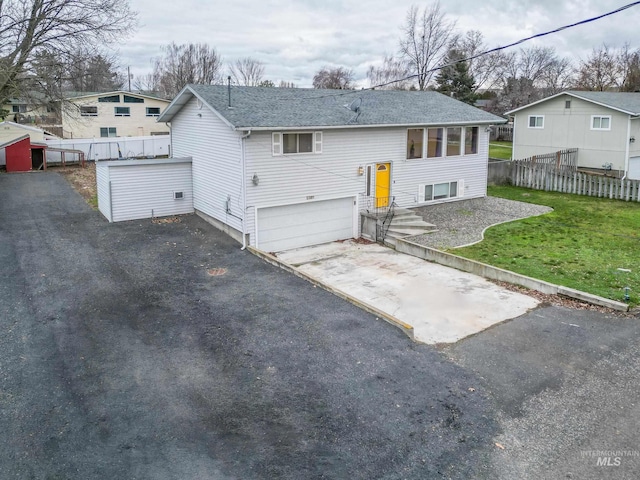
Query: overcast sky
(294, 39)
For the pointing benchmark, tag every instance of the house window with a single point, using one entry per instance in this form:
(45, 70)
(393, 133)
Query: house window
(122, 111)
(110, 99)
(536, 121)
(439, 191)
(434, 142)
(415, 138)
(153, 111)
(89, 111)
(601, 122)
(292, 143)
(470, 140)
(19, 108)
(567, 104)
(454, 139)
(108, 132)
(130, 99)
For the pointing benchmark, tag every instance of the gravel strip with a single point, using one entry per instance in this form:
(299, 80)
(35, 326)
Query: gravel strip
(463, 223)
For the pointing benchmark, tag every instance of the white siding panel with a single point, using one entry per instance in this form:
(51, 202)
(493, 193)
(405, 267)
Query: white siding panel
(217, 162)
(303, 224)
(104, 197)
(290, 179)
(146, 190)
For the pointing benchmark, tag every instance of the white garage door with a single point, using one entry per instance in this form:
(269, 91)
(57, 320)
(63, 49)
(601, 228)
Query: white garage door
(634, 168)
(304, 224)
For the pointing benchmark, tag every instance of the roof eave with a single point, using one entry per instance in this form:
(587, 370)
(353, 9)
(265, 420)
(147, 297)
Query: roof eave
(381, 125)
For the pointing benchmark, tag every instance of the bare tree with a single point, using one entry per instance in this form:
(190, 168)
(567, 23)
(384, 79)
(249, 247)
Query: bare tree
(630, 61)
(337, 78)
(284, 84)
(149, 82)
(600, 71)
(428, 35)
(247, 71)
(187, 63)
(391, 75)
(30, 27)
(486, 69)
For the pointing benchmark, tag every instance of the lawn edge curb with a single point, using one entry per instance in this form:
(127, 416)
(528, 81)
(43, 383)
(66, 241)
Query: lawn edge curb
(405, 327)
(494, 273)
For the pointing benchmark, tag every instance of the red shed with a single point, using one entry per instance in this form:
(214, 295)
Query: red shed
(22, 156)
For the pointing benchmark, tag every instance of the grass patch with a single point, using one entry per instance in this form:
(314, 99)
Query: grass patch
(581, 244)
(501, 150)
(83, 180)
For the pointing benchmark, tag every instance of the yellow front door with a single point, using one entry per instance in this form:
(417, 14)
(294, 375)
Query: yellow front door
(383, 185)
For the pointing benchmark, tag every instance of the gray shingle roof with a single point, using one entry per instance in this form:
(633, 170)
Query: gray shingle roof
(268, 107)
(626, 101)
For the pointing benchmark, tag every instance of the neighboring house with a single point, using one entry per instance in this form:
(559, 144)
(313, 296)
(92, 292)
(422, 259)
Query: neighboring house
(113, 114)
(282, 168)
(603, 126)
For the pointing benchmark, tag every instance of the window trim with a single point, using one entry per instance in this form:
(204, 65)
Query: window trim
(422, 191)
(115, 112)
(109, 99)
(464, 140)
(408, 149)
(608, 117)
(131, 99)
(108, 129)
(535, 126)
(88, 114)
(277, 143)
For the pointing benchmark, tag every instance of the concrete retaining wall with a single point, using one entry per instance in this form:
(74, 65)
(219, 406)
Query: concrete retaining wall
(494, 273)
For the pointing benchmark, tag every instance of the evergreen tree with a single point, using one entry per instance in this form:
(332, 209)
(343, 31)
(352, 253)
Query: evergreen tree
(455, 80)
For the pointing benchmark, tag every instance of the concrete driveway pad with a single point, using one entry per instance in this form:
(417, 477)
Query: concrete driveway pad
(443, 305)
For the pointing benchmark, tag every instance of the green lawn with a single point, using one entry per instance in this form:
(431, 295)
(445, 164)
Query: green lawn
(500, 150)
(582, 244)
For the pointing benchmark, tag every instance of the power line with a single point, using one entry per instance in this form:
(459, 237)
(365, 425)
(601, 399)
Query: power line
(487, 52)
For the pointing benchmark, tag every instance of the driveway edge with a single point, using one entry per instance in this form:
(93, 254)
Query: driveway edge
(494, 273)
(405, 327)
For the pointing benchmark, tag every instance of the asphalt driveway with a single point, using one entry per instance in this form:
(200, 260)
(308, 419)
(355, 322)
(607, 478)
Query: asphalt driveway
(122, 357)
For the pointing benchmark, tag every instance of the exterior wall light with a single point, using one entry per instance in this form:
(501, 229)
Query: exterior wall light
(360, 170)
(255, 179)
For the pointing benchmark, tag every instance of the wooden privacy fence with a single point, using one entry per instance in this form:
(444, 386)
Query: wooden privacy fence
(547, 177)
(564, 160)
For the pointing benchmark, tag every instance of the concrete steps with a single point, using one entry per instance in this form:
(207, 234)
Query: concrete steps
(406, 223)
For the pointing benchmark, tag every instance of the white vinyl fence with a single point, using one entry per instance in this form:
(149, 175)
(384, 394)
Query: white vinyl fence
(112, 148)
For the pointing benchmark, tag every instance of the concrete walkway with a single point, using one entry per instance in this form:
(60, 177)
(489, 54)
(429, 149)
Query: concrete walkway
(443, 305)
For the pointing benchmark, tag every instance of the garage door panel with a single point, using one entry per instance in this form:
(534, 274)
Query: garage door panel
(293, 226)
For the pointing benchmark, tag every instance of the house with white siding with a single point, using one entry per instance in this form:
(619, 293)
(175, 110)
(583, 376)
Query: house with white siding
(603, 126)
(281, 168)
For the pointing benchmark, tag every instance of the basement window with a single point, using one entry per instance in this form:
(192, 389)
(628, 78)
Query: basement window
(108, 132)
(439, 191)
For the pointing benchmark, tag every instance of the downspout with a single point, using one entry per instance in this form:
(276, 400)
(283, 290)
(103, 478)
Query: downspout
(244, 188)
(626, 154)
